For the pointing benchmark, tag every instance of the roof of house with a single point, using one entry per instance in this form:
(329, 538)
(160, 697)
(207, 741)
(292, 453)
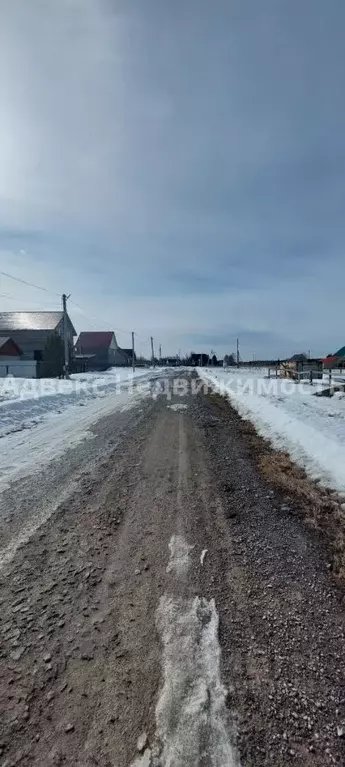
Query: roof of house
(298, 358)
(330, 359)
(31, 321)
(128, 353)
(95, 340)
(196, 355)
(340, 352)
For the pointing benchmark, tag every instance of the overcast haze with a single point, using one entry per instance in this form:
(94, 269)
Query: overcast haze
(178, 166)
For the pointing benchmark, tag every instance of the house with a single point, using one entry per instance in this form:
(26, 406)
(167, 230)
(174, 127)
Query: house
(298, 358)
(31, 330)
(128, 354)
(102, 348)
(299, 366)
(336, 360)
(12, 361)
(82, 363)
(168, 362)
(199, 359)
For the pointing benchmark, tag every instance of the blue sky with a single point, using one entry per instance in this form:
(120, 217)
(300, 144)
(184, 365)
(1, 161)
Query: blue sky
(178, 167)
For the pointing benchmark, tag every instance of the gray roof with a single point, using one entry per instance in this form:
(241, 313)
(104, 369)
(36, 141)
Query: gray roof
(298, 358)
(3, 341)
(30, 320)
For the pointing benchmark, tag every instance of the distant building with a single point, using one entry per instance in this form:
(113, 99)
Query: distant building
(31, 330)
(102, 350)
(199, 359)
(128, 354)
(336, 360)
(299, 358)
(300, 367)
(169, 362)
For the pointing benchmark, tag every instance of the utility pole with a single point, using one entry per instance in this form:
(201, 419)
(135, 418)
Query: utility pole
(133, 352)
(65, 336)
(238, 353)
(160, 352)
(152, 353)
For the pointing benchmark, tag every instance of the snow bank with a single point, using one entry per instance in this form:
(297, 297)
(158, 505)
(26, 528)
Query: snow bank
(311, 429)
(40, 424)
(25, 403)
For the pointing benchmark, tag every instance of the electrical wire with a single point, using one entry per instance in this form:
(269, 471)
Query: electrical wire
(98, 319)
(31, 284)
(15, 298)
(47, 290)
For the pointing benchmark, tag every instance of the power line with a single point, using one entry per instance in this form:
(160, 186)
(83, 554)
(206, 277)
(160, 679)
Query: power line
(15, 298)
(101, 320)
(31, 285)
(98, 319)
(54, 293)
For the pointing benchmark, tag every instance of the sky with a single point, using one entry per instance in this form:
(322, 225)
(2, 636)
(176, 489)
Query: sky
(178, 168)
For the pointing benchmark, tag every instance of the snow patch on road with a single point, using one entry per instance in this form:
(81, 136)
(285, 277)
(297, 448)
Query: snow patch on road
(144, 760)
(179, 555)
(191, 712)
(178, 408)
(202, 556)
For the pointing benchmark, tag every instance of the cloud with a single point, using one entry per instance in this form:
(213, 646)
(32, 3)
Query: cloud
(178, 171)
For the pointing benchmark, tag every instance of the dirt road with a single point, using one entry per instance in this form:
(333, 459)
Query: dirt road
(173, 610)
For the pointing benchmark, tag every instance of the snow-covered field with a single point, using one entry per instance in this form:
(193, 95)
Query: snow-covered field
(41, 419)
(310, 428)
(26, 402)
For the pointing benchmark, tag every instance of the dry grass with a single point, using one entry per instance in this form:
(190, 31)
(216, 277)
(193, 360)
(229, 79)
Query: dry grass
(321, 508)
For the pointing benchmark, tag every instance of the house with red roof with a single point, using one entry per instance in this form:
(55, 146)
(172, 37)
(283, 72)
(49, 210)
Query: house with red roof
(336, 360)
(100, 349)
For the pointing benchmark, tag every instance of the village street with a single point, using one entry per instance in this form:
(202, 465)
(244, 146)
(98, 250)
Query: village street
(165, 600)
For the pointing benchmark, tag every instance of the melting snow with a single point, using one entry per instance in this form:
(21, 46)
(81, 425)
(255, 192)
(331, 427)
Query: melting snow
(191, 713)
(178, 408)
(311, 429)
(179, 555)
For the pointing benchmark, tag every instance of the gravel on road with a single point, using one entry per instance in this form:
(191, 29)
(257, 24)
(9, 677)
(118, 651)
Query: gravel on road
(163, 509)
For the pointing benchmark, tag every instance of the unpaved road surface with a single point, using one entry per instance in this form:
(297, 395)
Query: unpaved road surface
(173, 596)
